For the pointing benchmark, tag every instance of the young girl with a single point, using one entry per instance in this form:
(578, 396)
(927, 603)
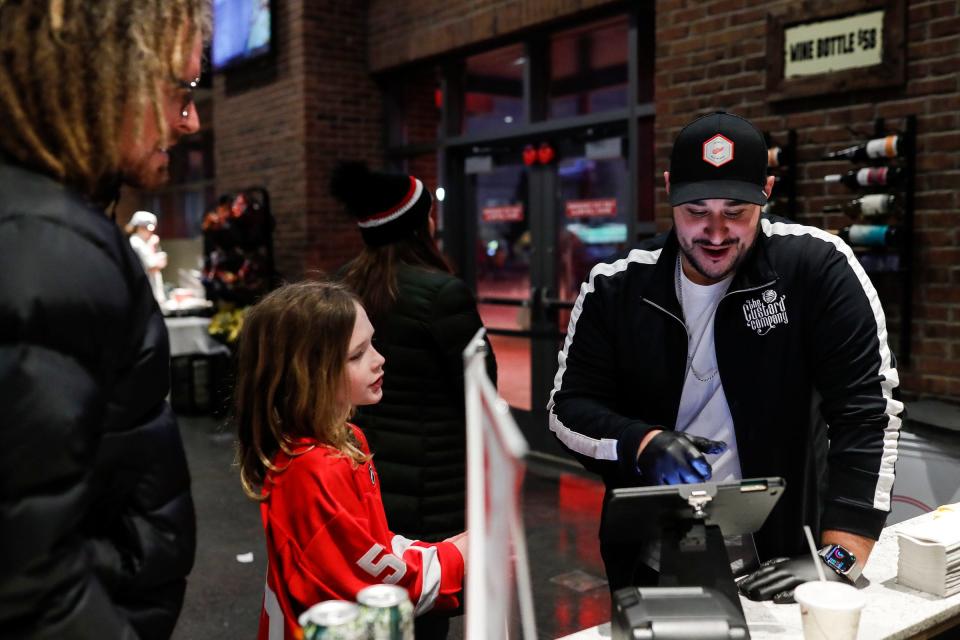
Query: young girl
(306, 360)
(424, 317)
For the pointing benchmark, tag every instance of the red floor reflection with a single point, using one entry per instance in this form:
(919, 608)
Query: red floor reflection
(513, 370)
(562, 516)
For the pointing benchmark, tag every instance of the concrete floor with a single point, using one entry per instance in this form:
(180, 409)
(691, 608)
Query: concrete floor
(561, 511)
(223, 595)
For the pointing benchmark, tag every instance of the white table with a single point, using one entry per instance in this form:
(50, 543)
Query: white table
(892, 612)
(190, 336)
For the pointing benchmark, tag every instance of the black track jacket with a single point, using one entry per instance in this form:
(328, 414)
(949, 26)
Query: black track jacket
(801, 340)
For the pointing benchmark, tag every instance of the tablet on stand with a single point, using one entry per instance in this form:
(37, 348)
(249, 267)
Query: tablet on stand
(697, 596)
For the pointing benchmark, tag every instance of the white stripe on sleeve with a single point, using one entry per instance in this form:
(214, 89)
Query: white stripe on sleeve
(597, 448)
(891, 433)
(274, 614)
(431, 573)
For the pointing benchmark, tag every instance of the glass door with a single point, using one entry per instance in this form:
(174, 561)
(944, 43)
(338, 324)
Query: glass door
(498, 188)
(591, 207)
(538, 229)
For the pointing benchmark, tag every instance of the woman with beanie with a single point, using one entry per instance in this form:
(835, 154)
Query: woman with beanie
(424, 317)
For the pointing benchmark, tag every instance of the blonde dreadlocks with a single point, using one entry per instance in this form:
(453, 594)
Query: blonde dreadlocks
(68, 69)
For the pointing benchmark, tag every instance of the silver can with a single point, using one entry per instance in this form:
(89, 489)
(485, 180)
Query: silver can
(386, 611)
(332, 620)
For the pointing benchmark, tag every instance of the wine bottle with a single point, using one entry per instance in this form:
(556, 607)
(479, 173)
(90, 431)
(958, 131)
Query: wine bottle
(870, 235)
(867, 177)
(776, 157)
(886, 147)
(867, 206)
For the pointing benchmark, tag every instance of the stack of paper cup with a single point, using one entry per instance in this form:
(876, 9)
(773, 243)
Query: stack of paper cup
(829, 610)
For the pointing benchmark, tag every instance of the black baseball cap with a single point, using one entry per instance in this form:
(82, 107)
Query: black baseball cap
(719, 155)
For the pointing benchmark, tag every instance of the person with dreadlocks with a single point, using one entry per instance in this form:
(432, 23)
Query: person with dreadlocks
(96, 519)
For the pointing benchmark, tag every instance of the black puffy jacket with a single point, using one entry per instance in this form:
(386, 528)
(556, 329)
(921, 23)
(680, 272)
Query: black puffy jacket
(417, 431)
(97, 530)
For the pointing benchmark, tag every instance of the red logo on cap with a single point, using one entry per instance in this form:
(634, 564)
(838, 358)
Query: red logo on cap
(718, 150)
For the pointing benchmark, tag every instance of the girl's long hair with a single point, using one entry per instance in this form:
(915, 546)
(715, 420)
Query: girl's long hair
(373, 274)
(291, 378)
(68, 69)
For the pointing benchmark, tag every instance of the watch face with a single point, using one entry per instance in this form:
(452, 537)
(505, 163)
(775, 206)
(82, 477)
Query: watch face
(840, 559)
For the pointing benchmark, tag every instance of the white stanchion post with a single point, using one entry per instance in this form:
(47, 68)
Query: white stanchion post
(495, 452)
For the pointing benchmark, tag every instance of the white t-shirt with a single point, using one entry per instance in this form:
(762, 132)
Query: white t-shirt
(703, 405)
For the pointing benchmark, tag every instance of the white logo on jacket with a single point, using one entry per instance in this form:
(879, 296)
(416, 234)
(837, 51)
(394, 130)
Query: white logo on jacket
(766, 313)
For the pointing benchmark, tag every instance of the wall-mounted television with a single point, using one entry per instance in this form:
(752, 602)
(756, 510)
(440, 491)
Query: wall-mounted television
(242, 32)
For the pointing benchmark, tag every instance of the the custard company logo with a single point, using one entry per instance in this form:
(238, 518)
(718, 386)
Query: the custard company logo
(766, 313)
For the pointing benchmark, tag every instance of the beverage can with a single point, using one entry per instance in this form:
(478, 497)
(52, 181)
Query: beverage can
(332, 620)
(386, 611)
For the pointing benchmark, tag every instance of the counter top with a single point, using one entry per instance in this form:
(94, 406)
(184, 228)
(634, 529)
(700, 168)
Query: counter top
(190, 336)
(893, 611)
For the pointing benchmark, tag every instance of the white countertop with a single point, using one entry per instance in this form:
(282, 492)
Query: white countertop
(892, 612)
(190, 336)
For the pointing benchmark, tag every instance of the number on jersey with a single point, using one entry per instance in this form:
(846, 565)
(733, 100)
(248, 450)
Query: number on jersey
(387, 562)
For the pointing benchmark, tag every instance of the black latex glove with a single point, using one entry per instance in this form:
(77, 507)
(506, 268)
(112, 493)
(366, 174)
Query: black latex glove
(777, 578)
(677, 458)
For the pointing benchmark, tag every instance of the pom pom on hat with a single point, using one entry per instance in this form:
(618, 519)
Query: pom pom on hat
(143, 219)
(349, 183)
(387, 206)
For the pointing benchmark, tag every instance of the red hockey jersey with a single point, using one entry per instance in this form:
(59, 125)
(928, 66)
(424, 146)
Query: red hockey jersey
(327, 538)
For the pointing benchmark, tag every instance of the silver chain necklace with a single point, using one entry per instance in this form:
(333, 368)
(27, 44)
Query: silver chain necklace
(696, 374)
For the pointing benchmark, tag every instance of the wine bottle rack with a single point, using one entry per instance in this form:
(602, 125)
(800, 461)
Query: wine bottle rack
(906, 243)
(785, 189)
(877, 261)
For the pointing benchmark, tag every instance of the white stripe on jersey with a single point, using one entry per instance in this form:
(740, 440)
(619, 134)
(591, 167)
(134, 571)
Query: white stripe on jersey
(430, 572)
(881, 496)
(271, 607)
(603, 448)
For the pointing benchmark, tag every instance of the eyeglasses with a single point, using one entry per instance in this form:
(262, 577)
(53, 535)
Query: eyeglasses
(188, 88)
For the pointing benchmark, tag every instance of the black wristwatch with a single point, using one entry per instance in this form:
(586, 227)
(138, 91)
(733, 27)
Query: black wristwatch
(842, 561)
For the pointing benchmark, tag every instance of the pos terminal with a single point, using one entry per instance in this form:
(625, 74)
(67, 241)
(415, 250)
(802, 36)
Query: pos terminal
(696, 598)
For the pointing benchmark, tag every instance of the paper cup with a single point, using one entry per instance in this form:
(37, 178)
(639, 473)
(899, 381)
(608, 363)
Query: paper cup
(829, 610)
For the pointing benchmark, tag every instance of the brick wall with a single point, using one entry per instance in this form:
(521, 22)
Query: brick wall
(344, 121)
(283, 126)
(322, 105)
(259, 132)
(414, 29)
(713, 55)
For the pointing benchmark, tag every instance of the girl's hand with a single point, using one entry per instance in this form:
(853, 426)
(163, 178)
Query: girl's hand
(460, 542)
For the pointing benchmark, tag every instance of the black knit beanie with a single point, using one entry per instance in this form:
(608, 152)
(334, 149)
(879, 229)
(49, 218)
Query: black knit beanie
(387, 206)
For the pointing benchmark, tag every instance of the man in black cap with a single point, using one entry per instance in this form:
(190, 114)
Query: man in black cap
(731, 348)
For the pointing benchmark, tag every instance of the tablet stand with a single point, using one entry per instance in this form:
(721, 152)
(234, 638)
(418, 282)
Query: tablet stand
(697, 597)
(693, 553)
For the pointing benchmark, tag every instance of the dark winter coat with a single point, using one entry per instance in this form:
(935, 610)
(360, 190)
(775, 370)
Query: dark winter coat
(417, 431)
(97, 530)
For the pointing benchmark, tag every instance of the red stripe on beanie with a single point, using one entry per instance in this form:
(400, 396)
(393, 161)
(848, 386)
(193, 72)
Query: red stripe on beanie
(400, 205)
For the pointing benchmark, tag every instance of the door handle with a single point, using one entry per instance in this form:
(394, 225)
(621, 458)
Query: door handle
(548, 302)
